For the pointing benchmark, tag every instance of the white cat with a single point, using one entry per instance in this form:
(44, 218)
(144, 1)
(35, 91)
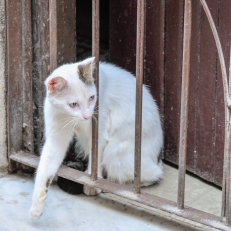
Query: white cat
(69, 107)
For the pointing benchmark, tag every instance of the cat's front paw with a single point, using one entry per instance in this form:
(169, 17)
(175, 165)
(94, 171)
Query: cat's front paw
(36, 211)
(35, 214)
(89, 191)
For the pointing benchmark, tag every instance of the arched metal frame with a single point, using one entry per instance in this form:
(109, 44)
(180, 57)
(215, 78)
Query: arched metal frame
(184, 111)
(121, 190)
(227, 102)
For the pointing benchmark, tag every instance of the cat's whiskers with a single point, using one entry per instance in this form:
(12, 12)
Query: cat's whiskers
(67, 124)
(65, 120)
(69, 117)
(73, 128)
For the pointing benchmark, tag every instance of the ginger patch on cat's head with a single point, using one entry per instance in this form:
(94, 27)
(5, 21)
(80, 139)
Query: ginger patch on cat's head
(86, 70)
(56, 84)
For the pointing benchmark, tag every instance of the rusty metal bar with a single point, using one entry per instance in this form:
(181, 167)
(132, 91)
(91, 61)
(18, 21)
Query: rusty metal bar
(226, 166)
(226, 197)
(53, 34)
(226, 205)
(227, 102)
(139, 90)
(226, 210)
(228, 183)
(95, 53)
(184, 102)
(126, 192)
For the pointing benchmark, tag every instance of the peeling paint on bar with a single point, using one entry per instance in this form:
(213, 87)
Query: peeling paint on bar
(184, 102)
(95, 53)
(139, 88)
(128, 194)
(172, 209)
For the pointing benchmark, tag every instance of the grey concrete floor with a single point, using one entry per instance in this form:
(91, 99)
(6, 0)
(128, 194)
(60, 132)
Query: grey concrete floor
(65, 212)
(198, 193)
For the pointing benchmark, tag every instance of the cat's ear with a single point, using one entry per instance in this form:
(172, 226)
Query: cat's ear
(56, 84)
(86, 70)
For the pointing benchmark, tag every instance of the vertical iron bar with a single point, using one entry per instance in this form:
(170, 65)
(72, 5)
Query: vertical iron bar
(184, 102)
(226, 205)
(95, 53)
(139, 90)
(225, 209)
(53, 34)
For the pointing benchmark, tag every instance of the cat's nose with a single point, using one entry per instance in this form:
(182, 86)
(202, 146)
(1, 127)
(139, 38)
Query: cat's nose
(87, 117)
(87, 114)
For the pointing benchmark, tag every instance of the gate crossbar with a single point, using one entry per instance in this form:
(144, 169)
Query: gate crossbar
(127, 193)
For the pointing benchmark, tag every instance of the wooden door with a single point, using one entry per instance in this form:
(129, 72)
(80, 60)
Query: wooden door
(163, 65)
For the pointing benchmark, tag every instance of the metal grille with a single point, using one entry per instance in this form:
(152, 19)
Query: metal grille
(17, 155)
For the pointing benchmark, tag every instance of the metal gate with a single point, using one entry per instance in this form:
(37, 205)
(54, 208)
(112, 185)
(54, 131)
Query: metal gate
(22, 117)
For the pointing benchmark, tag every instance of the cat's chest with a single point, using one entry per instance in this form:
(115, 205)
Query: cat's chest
(83, 130)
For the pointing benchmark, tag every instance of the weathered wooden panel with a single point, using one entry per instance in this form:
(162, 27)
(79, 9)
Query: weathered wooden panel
(66, 31)
(41, 66)
(206, 92)
(225, 37)
(123, 42)
(201, 143)
(123, 34)
(154, 55)
(192, 153)
(27, 127)
(66, 52)
(14, 69)
(173, 67)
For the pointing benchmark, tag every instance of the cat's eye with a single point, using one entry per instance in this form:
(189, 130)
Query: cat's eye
(92, 98)
(73, 105)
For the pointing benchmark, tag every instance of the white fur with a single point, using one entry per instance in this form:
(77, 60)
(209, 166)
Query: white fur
(116, 128)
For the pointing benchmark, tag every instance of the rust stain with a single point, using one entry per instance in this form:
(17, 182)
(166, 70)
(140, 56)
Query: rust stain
(43, 194)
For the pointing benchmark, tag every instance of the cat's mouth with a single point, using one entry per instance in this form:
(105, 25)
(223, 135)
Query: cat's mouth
(87, 118)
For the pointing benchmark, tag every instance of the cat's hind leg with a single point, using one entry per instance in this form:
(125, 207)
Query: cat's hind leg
(118, 160)
(52, 156)
(90, 191)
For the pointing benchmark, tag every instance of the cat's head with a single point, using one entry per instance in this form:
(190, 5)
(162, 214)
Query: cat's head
(71, 89)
